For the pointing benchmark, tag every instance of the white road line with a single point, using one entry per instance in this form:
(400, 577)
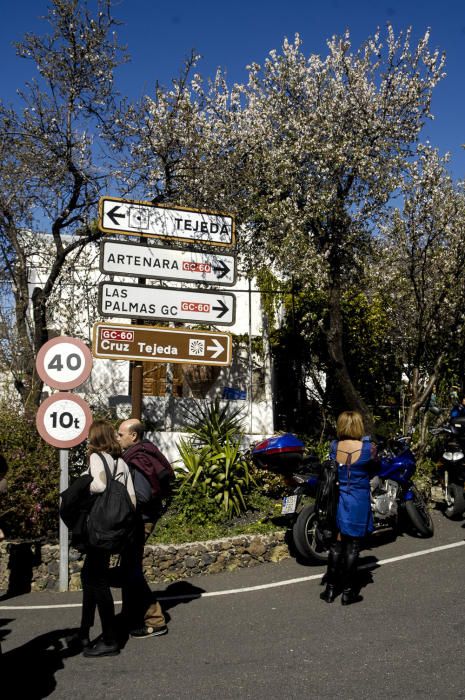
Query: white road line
(250, 589)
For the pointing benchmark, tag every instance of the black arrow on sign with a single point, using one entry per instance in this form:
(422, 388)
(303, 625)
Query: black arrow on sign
(114, 216)
(223, 270)
(223, 308)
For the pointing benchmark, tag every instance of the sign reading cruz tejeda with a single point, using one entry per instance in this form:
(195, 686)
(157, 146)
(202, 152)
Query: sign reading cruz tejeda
(134, 218)
(155, 344)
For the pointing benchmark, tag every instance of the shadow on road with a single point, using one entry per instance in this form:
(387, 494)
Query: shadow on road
(29, 670)
(173, 595)
(176, 593)
(22, 557)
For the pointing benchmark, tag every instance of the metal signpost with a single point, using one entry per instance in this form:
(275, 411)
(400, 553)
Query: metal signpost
(132, 260)
(166, 304)
(133, 218)
(155, 344)
(63, 420)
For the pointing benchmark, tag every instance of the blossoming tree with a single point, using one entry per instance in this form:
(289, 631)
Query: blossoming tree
(51, 169)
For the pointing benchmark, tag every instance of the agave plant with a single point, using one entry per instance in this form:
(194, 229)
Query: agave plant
(229, 478)
(222, 477)
(213, 424)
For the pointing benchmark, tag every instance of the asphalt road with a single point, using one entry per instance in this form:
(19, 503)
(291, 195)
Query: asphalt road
(263, 633)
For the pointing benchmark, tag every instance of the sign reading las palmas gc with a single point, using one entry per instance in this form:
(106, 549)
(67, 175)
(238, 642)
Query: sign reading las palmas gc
(166, 304)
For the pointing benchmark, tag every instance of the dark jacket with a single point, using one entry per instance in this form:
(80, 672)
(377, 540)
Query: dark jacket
(74, 499)
(76, 502)
(152, 475)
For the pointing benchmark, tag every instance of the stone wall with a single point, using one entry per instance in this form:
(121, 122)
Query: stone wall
(31, 566)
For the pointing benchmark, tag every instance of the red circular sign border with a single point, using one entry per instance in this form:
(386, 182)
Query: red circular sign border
(88, 360)
(63, 396)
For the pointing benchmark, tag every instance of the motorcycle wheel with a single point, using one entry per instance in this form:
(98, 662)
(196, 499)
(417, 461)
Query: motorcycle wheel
(305, 536)
(419, 515)
(455, 503)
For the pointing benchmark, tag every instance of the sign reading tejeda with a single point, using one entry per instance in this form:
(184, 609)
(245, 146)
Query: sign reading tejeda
(134, 218)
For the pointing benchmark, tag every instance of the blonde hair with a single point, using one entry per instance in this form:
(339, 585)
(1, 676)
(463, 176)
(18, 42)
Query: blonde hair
(102, 438)
(350, 425)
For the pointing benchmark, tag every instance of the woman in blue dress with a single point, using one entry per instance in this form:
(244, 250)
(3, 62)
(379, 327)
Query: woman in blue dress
(356, 457)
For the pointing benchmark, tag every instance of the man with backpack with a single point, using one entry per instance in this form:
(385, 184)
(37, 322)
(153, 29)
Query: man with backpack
(152, 476)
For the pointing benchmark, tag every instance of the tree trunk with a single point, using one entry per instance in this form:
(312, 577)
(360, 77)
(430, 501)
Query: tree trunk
(350, 399)
(421, 394)
(24, 364)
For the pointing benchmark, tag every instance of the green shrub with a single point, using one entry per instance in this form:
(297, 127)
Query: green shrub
(190, 519)
(215, 476)
(268, 483)
(30, 508)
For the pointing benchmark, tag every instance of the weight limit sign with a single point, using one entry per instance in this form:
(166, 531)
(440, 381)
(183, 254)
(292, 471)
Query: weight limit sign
(63, 420)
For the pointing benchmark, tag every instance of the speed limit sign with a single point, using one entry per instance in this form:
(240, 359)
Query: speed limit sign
(63, 420)
(64, 363)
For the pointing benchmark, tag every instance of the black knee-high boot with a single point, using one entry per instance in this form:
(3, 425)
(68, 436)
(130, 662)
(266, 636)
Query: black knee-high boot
(352, 551)
(333, 572)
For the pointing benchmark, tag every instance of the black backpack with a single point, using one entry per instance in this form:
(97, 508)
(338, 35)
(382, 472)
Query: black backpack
(111, 521)
(327, 496)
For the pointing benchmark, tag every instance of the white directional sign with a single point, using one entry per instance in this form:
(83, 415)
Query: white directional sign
(64, 363)
(166, 304)
(134, 218)
(132, 260)
(157, 344)
(63, 420)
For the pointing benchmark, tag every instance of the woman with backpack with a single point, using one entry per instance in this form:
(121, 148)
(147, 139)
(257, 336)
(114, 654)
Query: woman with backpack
(103, 447)
(356, 460)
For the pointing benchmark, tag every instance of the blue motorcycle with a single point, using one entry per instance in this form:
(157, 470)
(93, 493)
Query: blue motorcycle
(395, 500)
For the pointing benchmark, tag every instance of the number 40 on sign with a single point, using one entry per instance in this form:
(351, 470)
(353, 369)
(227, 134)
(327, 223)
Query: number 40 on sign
(64, 363)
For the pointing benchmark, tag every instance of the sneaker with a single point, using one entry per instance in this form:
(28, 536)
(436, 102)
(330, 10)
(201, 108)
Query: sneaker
(148, 631)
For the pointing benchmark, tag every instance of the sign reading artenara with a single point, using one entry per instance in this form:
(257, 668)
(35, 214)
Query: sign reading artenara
(155, 344)
(133, 260)
(134, 218)
(166, 303)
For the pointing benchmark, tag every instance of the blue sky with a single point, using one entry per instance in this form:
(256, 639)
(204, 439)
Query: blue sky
(160, 35)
